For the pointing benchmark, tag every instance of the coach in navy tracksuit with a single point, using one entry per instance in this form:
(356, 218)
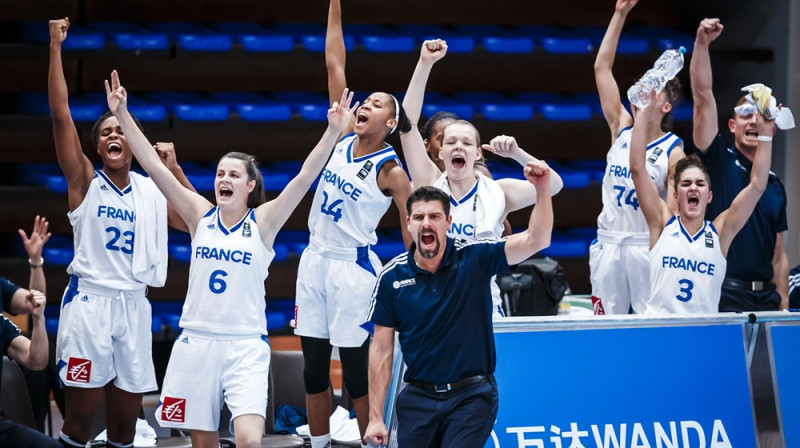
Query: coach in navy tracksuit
(437, 297)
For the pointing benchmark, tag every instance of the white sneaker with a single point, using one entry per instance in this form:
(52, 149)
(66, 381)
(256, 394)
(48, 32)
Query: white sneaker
(145, 434)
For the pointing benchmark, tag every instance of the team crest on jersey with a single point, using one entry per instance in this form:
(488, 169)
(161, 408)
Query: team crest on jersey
(364, 171)
(654, 156)
(709, 240)
(79, 370)
(104, 187)
(246, 229)
(403, 283)
(173, 409)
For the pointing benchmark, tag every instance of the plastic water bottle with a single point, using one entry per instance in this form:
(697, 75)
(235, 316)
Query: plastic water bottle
(666, 67)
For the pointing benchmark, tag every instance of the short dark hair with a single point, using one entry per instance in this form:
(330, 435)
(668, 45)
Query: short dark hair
(95, 135)
(427, 129)
(428, 194)
(257, 196)
(692, 161)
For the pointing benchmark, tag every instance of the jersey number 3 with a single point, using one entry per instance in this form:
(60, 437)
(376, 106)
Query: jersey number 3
(686, 290)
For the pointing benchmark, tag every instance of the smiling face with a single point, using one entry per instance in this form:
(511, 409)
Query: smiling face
(460, 149)
(428, 223)
(112, 145)
(231, 185)
(376, 115)
(693, 193)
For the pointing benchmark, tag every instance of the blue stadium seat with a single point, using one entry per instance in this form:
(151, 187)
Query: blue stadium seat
(664, 38)
(455, 43)
(312, 36)
(192, 36)
(564, 246)
(274, 179)
(589, 98)
(628, 44)
(143, 110)
(683, 112)
(36, 103)
(78, 37)
(594, 168)
(254, 107)
(435, 102)
(295, 240)
(557, 40)
(190, 106)
(556, 108)
(498, 40)
(310, 106)
(254, 37)
(388, 248)
(129, 36)
(496, 107)
(59, 250)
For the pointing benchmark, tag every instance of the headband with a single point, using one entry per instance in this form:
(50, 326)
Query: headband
(396, 114)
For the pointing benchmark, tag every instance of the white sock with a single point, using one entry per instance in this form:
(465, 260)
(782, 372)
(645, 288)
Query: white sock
(69, 441)
(323, 441)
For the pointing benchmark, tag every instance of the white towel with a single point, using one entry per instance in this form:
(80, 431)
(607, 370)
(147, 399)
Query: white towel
(150, 243)
(489, 206)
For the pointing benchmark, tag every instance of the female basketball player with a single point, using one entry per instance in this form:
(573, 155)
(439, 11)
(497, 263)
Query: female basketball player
(687, 253)
(337, 271)
(618, 258)
(111, 269)
(479, 205)
(223, 319)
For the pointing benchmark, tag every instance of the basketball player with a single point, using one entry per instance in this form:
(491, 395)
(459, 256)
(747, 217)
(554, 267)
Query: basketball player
(337, 271)
(110, 272)
(223, 353)
(479, 204)
(618, 260)
(687, 253)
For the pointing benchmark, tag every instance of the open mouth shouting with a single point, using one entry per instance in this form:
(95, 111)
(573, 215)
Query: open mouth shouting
(458, 161)
(693, 200)
(361, 118)
(114, 150)
(428, 244)
(225, 192)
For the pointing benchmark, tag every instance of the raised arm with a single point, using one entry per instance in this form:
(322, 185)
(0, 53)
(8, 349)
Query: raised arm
(654, 208)
(519, 193)
(76, 166)
(520, 246)
(380, 373)
(166, 152)
(705, 127)
(613, 110)
(729, 222)
(33, 247)
(422, 169)
(34, 352)
(275, 212)
(189, 205)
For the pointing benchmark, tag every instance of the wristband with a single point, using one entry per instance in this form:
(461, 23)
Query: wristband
(764, 138)
(36, 265)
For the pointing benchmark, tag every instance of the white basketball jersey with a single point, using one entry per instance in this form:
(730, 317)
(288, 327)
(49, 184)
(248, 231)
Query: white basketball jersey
(621, 211)
(226, 278)
(103, 235)
(348, 203)
(464, 211)
(686, 271)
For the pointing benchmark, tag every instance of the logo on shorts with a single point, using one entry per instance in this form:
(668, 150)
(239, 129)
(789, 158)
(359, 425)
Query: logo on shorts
(597, 306)
(403, 283)
(79, 370)
(173, 409)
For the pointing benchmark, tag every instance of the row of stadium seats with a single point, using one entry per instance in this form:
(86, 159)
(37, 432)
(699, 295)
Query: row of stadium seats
(280, 106)
(220, 37)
